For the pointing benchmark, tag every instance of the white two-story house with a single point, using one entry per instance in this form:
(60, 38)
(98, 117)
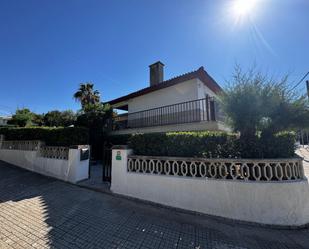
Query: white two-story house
(183, 103)
(4, 120)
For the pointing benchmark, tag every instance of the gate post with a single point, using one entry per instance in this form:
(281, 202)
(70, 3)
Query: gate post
(120, 155)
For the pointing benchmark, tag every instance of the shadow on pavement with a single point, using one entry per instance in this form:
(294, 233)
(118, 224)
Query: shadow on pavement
(40, 212)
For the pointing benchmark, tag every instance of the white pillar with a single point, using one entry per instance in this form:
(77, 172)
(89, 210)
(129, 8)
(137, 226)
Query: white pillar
(78, 169)
(120, 155)
(40, 144)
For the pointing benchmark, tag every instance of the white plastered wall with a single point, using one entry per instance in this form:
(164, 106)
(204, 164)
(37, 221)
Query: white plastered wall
(182, 92)
(71, 170)
(274, 203)
(203, 90)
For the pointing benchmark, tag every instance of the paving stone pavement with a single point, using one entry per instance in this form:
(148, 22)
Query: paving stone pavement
(39, 212)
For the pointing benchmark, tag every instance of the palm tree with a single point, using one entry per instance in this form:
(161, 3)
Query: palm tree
(86, 94)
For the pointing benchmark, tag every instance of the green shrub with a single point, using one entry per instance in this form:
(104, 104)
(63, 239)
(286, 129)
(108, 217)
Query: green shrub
(185, 144)
(250, 147)
(154, 144)
(52, 136)
(8, 126)
(280, 145)
(201, 144)
(118, 139)
(212, 144)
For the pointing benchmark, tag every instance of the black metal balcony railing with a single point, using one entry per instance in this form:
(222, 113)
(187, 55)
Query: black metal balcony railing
(187, 112)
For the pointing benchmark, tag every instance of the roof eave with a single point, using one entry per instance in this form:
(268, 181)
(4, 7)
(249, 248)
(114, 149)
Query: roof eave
(201, 74)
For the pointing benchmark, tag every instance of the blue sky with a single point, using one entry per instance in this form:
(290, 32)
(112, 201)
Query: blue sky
(48, 47)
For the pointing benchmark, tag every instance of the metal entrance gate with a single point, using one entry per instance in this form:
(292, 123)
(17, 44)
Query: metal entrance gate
(303, 138)
(107, 162)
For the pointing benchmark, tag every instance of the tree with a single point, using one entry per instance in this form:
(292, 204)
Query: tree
(22, 117)
(68, 118)
(284, 110)
(52, 118)
(96, 117)
(256, 103)
(86, 95)
(58, 118)
(38, 119)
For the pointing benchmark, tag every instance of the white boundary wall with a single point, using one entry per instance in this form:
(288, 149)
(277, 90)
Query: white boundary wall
(71, 170)
(284, 203)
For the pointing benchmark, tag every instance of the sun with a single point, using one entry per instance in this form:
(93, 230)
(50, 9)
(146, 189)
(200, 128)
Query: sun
(243, 8)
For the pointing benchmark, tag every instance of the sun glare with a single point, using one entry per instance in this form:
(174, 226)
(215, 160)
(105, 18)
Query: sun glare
(243, 8)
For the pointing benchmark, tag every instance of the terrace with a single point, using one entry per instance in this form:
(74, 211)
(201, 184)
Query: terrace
(200, 114)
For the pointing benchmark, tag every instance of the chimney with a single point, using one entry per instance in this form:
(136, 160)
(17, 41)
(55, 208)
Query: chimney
(156, 73)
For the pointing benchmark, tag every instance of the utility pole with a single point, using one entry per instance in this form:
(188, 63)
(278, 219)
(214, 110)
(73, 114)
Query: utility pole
(307, 88)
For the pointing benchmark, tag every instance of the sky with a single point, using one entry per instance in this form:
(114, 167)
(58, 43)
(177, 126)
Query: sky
(49, 47)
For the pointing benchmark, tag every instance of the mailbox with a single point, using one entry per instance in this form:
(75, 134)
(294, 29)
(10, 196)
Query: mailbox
(84, 154)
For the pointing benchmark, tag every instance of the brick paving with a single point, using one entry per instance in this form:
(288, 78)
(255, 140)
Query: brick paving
(95, 181)
(39, 212)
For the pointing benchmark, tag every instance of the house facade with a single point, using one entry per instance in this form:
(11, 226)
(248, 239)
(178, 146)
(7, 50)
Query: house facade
(183, 103)
(4, 120)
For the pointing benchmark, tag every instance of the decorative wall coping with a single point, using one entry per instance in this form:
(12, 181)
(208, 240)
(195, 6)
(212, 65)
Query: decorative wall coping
(55, 152)
(31, 145)
(79, 147)
(285, 169)
(296, 158)
(58, 162)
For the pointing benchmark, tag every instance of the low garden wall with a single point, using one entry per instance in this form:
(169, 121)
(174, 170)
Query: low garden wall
(66, 163)
(270, 191)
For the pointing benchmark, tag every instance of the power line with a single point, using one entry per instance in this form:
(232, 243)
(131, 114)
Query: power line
(300, 81)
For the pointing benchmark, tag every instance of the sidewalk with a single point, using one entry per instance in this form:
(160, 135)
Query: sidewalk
(95, 180)
(40, 212)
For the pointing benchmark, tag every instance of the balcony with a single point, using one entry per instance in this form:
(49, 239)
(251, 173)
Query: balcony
(183, 114)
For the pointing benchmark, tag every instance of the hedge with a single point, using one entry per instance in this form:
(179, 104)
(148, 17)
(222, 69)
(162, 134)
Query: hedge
(212, 144)
(282, 145)
(51, 136)
(118, 139)
(180, 144)
(184, 144)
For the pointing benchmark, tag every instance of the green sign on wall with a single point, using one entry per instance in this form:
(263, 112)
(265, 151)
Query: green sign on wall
(118, 155)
